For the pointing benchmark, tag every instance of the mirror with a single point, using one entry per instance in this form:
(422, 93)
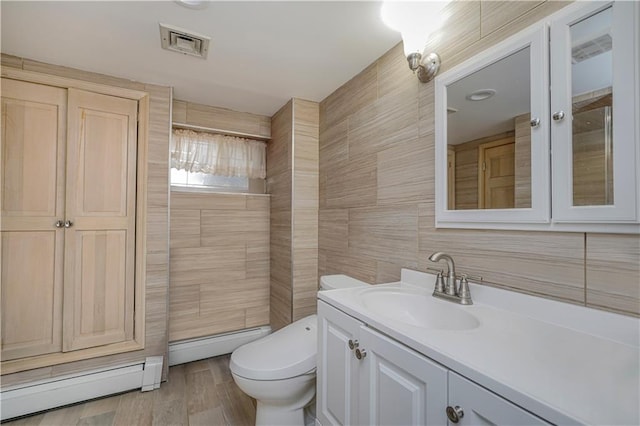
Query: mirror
(489, 136)
(492, 143)
(592, 101)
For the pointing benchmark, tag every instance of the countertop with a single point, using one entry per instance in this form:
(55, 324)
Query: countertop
(568, 364)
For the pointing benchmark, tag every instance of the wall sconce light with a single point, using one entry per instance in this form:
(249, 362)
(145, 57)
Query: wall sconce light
(415, 20)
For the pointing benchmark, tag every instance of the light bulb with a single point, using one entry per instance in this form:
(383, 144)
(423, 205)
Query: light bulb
(415, 20)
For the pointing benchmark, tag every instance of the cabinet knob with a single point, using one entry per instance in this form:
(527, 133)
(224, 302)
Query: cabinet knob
(535, 122)
(454, 414)
(558, 116)
(353, 344)
(68, 224)
(360, 353)
(59, 224)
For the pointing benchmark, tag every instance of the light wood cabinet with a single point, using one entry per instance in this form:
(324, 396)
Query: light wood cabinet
(69, 182)
(33, 148)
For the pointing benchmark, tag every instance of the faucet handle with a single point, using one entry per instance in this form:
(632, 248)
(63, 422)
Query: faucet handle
(439, 287)
(469, 277)
(463, 293)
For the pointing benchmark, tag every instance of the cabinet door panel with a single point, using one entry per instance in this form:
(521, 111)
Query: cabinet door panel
(482, 407)
(33, 132)
(31, 295)
(103, 305)
(31, 200)
(100, 244)
(595, 82)
(399, 386)
(337, 367)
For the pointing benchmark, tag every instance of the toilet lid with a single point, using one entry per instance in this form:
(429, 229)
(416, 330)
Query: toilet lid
(288, 352)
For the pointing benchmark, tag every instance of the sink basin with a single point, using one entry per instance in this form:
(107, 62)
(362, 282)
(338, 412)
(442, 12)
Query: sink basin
(417, 309)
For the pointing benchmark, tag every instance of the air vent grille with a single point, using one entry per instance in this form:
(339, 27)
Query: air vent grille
(184, 41)
(591, 48)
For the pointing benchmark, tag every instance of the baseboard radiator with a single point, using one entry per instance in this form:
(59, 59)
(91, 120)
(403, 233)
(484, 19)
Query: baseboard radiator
(207, 347)
(20, 400)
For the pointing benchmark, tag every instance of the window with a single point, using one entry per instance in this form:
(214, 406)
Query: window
(206, 161)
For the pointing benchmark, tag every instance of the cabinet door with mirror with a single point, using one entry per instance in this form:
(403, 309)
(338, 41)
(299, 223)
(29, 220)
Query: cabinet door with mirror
(502, 154)
(594, 113)
(492, 137)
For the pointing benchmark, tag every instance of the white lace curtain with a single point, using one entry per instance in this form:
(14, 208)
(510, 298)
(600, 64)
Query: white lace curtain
(218, 155)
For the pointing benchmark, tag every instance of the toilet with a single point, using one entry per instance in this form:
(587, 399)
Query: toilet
(279, 370)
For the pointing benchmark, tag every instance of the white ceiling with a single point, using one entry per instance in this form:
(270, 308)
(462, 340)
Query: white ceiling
(261, 53)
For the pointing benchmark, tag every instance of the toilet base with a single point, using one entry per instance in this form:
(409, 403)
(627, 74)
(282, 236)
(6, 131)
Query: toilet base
(279, 415)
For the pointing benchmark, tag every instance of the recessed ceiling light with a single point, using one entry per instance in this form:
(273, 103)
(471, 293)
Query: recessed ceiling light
(481, 95)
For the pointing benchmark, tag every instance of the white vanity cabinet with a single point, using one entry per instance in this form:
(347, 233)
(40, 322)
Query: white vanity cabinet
(383, 382)
(482, 407)
(338, 369)
(388, 384)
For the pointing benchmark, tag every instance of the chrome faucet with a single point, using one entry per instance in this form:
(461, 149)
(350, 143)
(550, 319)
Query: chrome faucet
(450, 291)
(450, 277)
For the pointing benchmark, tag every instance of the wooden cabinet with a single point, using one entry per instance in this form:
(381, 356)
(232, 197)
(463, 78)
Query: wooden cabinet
(33, 156)
(69, 182)
(383, 382)
(379, 381)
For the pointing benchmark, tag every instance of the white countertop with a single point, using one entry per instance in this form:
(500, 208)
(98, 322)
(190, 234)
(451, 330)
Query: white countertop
(568, 364)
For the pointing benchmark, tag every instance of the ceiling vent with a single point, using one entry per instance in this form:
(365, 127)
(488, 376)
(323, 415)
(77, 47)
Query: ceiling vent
(591, 48)
(183, 41)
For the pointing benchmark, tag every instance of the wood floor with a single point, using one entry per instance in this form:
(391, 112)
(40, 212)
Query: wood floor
(197, 393)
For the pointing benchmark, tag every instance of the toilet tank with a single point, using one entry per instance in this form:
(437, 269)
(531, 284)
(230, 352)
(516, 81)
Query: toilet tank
(331, 282)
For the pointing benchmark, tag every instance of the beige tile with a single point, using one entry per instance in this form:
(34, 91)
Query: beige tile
(389, 120)
(460, 30)
(613, 272)
(495, 14)
(361, 90)
(549, 264)
(10, 61)
(333, 231)
(185, 228)
(179, 112)
(394, 75)
(226, 119)
(352, 183)
(384, 233)
(403, 175)
(208, 201)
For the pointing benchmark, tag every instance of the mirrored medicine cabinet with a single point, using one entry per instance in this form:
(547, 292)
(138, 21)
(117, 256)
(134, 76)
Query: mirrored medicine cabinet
(540, 135)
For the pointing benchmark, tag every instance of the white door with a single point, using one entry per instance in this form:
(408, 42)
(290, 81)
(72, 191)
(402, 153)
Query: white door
(399, 386)
(337, 374)
(479, 406)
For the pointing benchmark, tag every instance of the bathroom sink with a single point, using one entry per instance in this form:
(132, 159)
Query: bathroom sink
(417, 309)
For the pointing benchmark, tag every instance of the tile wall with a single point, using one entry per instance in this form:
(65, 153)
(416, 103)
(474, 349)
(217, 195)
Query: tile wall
(377, 184)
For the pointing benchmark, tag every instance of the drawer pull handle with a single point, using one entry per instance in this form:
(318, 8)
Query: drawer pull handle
(353, 344)
(361, 353)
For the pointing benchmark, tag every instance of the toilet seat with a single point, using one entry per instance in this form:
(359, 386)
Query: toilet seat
(289, 352)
